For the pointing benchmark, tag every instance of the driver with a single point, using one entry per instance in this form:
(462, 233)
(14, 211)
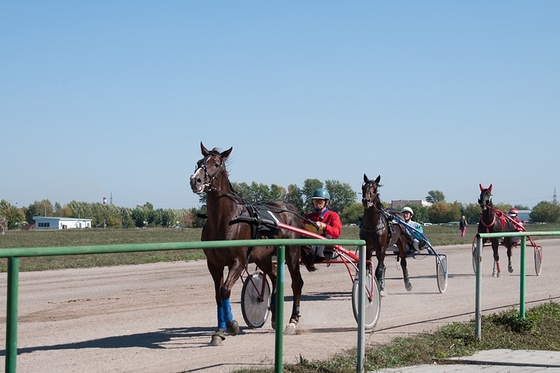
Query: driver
(327, 222)
(414, 237)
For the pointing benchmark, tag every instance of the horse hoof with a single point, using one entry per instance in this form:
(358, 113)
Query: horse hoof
(233, 328)
(382, 293)
(510, 269)
(216, 341)
(408, 286)
(217, 338)
(290, 329)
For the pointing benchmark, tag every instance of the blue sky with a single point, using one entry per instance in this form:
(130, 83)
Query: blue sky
(114, 97)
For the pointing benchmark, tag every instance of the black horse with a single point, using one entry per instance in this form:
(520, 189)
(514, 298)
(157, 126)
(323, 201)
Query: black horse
(228, 219)
(492, 220)
(380, 232)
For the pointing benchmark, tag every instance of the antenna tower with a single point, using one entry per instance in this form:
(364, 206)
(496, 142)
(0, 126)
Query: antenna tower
(111, 198)
(554, 196)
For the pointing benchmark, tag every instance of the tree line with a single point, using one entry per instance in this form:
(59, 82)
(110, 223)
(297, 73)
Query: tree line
(343, 200)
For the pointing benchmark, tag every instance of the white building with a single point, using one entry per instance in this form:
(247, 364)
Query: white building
(51, 222)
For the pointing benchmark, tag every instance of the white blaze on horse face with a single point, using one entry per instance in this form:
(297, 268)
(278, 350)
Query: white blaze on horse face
(197, 181)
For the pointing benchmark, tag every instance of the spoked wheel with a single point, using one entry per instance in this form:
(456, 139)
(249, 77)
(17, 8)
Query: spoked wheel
(255, 300)
(441, 272)
(538, 260)
(372, 300)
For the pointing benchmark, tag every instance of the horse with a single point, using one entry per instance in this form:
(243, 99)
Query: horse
(380, 231)
(225, 210)
(492, 220)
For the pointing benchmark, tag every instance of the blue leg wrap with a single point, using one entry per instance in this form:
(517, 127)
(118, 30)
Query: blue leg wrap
(221, 320)
(228, 316)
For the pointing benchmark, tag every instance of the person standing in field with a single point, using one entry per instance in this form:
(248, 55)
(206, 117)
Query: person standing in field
(463, 226)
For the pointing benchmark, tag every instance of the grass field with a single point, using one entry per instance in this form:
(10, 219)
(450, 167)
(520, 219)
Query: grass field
(438, 236)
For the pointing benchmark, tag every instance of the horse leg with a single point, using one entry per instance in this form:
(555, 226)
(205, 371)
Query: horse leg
(226, 323)
(496, 270)
(407, 284)
(509, 243)
(218, 277)
(380, 277)
(292, 261)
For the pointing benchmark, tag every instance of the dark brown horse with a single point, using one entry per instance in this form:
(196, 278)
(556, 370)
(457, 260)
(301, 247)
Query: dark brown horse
(492, 220)
(380, 232)
(224, 208)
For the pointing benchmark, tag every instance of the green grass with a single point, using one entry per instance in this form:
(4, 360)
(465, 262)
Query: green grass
(88, 237)
(540, 330)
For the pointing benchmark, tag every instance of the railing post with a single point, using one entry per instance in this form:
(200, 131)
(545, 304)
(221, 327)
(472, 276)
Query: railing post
(279, 332)
(12, 315)
(361, 308)
(477, 309)
(522, 270)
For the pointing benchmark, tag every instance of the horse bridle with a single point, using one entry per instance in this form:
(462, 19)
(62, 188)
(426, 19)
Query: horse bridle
(365, 200)
(488, 200)
(208, 185)
(376, 194)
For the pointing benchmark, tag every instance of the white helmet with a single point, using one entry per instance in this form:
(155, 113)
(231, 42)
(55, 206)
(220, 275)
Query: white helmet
(407, 209)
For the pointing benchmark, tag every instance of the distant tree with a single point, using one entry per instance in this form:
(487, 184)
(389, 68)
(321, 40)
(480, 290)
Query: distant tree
(421, 213)
(435, 196)
(546, 212)
(352, 213)
(38, 208)
(14, 216)
(342, 195)
(277, 193)
(294, 196)
(140, 216)
(442, 212)
(502, 206)
(472, 213)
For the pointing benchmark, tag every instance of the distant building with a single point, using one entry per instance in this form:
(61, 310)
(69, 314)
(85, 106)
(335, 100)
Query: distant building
(51, 222)
(400, 203)
(523, 215)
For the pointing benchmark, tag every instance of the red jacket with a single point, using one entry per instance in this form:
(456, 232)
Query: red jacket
(331, 219)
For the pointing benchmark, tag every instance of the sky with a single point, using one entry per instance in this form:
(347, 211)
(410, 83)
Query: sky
(113, 98)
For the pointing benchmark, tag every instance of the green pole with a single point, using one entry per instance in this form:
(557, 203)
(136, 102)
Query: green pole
(522, 271)
(478, 311)
(12, 315)
(361, 309)
(278, 353)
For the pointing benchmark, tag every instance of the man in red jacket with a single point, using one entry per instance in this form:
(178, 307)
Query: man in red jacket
(327, 222)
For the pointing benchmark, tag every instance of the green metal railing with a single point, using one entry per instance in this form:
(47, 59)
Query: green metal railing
(13, 256)
(522, 271)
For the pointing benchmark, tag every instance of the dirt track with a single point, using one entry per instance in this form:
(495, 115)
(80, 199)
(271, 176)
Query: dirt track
(159, 317)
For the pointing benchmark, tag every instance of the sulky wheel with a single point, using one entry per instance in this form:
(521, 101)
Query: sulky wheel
(441, 272)
(255, 300)
(538, 259)
(372, 300)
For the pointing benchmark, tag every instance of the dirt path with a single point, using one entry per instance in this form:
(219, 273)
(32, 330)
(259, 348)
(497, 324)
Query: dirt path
(159, 317)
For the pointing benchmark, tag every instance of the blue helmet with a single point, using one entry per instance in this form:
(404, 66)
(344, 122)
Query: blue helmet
(321, 193)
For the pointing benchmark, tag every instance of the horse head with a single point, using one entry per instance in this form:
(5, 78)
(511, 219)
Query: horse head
(485, 198)
(209, 169)
(370, 192)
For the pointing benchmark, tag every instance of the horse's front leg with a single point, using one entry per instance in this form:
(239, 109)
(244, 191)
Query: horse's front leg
(217, 273)
(226, 323)
(508, 242)
(292, 261)
(496, 270)
(380, 270)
